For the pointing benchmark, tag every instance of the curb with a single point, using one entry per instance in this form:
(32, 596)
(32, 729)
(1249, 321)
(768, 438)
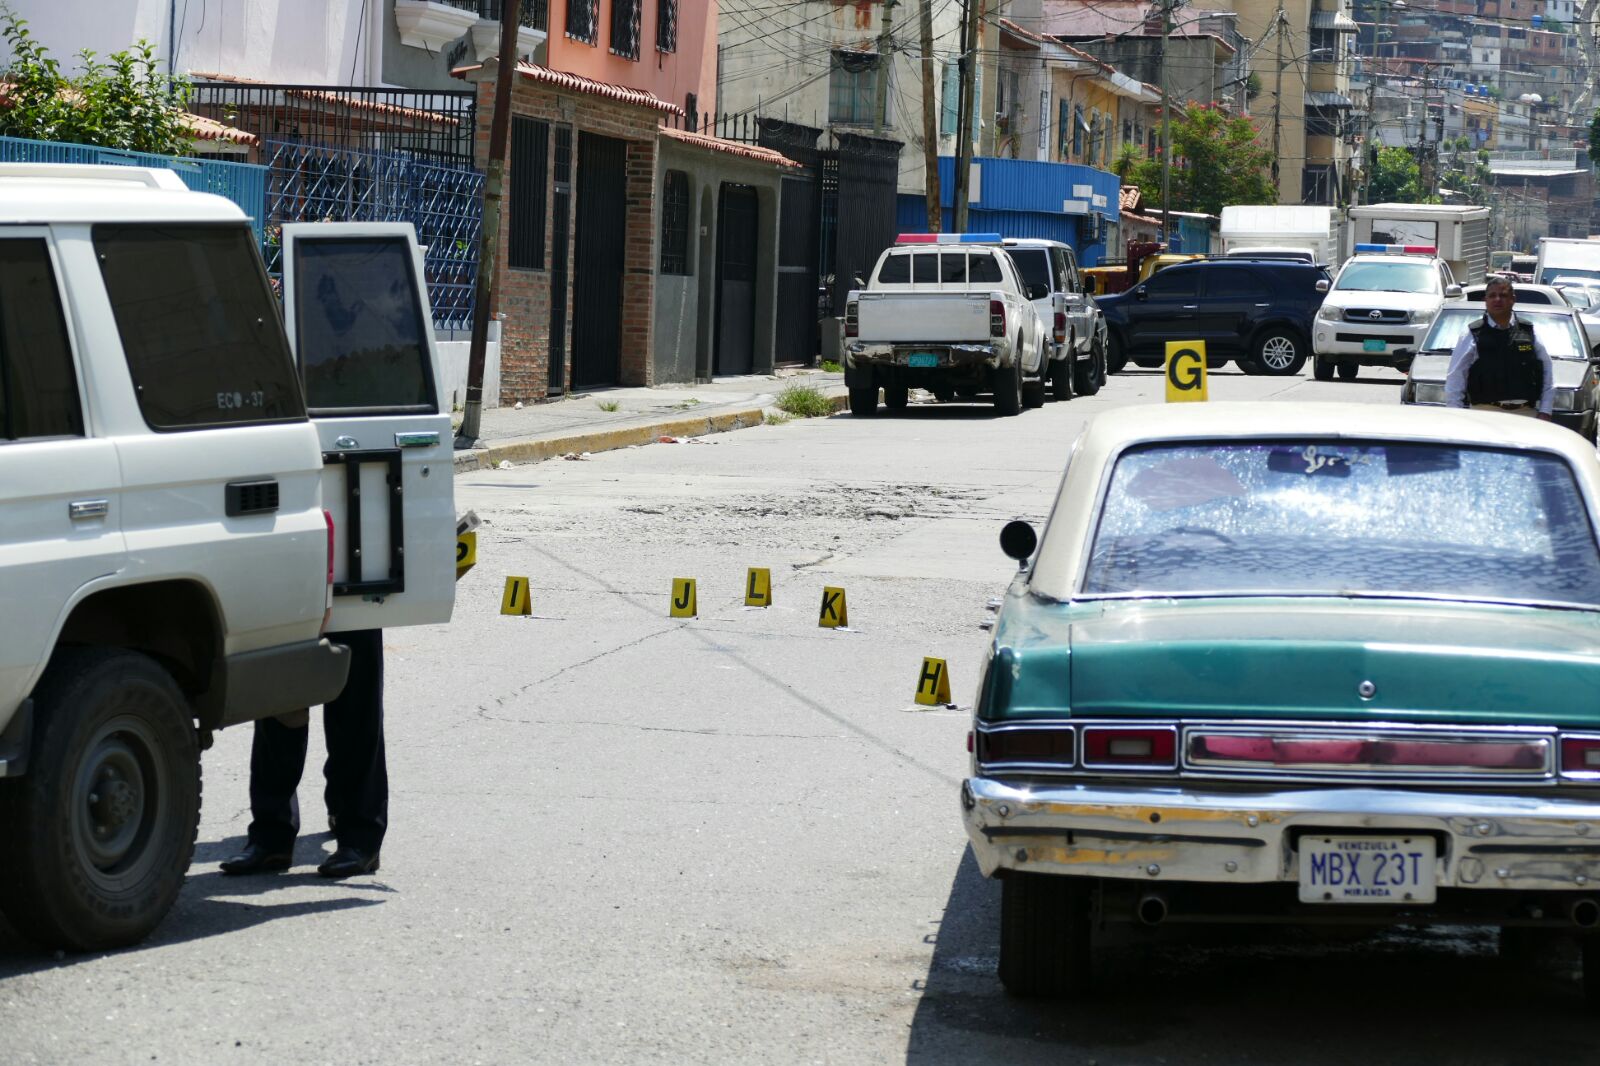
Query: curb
(537, 450)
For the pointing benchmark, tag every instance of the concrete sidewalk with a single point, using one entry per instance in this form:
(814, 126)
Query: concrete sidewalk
(578, 423)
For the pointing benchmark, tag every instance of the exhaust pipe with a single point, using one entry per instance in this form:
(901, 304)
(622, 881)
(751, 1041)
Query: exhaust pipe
(1585, 913)
(1152, 909)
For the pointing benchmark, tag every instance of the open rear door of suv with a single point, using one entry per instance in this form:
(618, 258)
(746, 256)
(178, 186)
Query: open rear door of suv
(356, 308)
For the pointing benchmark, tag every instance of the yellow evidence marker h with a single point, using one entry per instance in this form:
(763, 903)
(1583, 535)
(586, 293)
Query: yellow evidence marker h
(758, 587)
(518, 598)
(1186, 372)
(933, 686)
(466, 553)
(833, 614)
(683, 601)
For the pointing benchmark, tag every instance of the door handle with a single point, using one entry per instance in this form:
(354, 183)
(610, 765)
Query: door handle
(416, 440)
(1264, 305)
(81, 509)
(1191, 307)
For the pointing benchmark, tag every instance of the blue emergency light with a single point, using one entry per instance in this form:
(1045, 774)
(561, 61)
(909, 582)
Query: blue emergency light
(1407, 249)
(948, 238)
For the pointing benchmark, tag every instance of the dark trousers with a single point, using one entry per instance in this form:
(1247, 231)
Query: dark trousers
(357, 789)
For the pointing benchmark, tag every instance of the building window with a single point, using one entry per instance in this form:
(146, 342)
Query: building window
(667, 26)
(1063, 130)
(583, 17)
(950, 104)
(1078, 126)
(1127, 131)
(625, 28)
(675, 223)
(853, 89)
(691, 111)
(530, 142)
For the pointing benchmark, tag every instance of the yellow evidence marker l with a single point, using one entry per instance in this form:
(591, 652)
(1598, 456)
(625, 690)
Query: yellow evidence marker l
(933, 687)
(758, 587)
(466, 553)
(683, 601)
(1186, 371)
(518, 598)
(833, 614)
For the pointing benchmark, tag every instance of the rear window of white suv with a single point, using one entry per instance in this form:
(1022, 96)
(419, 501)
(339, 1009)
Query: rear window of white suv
(200, 329)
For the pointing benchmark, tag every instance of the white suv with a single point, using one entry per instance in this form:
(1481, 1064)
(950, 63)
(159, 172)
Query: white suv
(1378, 311)
(176, 534)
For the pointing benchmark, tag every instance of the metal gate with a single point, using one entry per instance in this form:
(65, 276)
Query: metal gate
(601, 233)
(561, 205)
(797, 240)
(868, 170)
(737, 215)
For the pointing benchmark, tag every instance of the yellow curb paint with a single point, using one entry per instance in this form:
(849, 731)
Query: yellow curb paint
(1186, 372)
(758, 587)
(933, 686)
(833, 614)
(518, 598)
(683, 598)
(466, 553)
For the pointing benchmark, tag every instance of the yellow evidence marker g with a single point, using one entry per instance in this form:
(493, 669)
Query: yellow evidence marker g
(518, 598)
(833, 614)
(758, 587)
(466, 553)
(683, 601)
(933, 686)
(1186, 372)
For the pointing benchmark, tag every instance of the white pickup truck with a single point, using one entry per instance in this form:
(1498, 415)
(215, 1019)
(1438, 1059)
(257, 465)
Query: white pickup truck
(191, 495)
(949, 313)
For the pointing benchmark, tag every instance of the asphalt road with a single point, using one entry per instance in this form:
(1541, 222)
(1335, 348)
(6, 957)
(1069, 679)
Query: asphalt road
(620, 837)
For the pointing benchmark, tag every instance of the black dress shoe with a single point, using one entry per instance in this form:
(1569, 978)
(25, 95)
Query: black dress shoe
(255, 859)
(349, 862)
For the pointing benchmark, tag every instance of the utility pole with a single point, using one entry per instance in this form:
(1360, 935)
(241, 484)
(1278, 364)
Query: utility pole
(1166, 126)
(930, 129)
(885, 61)
(1425, 167)
(965, 122)
(505, 80)
(1277, 105)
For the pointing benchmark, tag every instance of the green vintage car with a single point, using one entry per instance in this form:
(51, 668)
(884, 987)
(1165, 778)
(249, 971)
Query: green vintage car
(1310, 663)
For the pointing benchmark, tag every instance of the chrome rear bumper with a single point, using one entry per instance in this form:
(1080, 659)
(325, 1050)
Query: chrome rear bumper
(1159, 835)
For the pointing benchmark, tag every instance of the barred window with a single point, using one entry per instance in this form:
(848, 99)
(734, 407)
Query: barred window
(530, 141)
(625, 28)
(853, 89)
(583, 17)
(675, 223)
(667, 25)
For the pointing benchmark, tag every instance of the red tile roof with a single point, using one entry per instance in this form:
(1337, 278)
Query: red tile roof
(1128, 198)
(719, 144)
(579, 84)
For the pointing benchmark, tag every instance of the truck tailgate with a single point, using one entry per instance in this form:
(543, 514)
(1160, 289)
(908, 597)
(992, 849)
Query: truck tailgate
(952, 317)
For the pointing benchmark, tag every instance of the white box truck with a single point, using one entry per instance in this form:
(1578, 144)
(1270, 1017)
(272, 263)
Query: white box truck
(1277, 230)
(1458, 234)
(1575, 258)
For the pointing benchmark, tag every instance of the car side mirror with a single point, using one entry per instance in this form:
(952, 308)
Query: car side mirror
(860, 283)
(1018, 540)
(1036, 291)
(1322, 285)
(1452, 291)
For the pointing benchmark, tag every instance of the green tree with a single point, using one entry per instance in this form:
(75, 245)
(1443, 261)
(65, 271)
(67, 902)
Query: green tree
(1396, 178)
(1217, 160)
(123, 101)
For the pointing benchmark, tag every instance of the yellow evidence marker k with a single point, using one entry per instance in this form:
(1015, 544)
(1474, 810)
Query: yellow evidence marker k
(758, 587)
(1186, 372)
(518, 599)
(933, 687)
(683, 601)
(833, 614)
(466, 553)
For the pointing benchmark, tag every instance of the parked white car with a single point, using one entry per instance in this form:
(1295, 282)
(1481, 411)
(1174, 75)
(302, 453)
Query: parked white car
(947, 312)
(1379, 309)
(1077, 328)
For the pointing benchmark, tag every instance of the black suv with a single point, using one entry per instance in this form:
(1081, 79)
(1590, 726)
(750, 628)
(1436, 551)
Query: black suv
(1256, 312)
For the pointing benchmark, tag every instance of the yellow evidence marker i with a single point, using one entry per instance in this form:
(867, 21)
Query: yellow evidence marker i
(518, 598)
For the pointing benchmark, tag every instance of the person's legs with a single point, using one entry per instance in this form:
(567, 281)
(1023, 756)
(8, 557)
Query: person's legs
(277, 758)
(357, 791)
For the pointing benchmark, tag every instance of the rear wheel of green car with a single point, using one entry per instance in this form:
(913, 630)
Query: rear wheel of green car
(1045, 936)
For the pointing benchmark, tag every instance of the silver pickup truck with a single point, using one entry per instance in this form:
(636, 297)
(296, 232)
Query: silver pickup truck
(949, 313)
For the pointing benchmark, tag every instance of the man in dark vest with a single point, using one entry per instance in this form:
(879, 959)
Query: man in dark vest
(1498, 364)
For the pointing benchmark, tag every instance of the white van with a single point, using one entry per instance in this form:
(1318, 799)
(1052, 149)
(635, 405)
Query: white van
(1568, 261)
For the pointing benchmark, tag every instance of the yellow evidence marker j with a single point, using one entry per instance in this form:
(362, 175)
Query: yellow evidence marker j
(683, 601)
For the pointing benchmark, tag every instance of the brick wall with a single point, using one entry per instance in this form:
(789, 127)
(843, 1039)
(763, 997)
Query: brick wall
(524, 296)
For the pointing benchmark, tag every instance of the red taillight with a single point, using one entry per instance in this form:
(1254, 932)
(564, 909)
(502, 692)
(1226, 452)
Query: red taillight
(1149, 747)
(997, 318)
(1026, 745)
(327, 611)
(1580, 755)
(852, 323)
(1061, 327)
(969, 742)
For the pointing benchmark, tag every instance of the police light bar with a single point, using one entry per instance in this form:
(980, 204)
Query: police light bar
(948, 238)
(1412, 249)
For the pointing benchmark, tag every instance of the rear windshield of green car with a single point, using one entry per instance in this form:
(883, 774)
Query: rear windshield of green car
(1342, 518)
